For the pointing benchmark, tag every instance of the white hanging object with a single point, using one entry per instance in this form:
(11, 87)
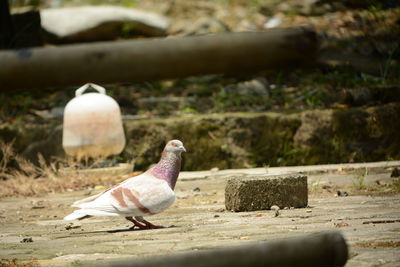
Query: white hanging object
(92, 125)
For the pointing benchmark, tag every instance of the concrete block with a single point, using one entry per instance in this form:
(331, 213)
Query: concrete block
(260, 193)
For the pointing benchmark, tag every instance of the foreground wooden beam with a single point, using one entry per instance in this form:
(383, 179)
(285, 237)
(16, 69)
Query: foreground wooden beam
(327, 249)
(153, 59)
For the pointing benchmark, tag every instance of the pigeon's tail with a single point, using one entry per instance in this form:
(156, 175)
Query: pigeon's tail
(86, 213)
(76, 215)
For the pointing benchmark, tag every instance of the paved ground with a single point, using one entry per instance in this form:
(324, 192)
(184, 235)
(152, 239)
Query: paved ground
(32, 230)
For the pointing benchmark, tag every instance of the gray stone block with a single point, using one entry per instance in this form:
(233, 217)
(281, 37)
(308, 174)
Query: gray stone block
(260, 193)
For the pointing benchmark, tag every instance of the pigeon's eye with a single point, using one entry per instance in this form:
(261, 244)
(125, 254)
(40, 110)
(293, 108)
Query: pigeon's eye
(173, 144)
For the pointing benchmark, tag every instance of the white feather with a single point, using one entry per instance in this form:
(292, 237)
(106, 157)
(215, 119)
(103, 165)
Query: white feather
(85, 200)
(85, 212)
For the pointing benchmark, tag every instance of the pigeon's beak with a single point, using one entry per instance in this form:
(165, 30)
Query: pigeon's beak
(182, 148)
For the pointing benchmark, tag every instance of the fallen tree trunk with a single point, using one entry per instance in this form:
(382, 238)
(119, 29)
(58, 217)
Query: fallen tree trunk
(153, 59)
(327, 249)
(7, 31)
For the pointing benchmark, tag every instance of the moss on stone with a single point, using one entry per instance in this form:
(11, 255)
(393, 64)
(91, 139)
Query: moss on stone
(241, 140)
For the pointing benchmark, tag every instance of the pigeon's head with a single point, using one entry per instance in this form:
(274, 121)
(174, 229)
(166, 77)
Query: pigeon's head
(175, 146)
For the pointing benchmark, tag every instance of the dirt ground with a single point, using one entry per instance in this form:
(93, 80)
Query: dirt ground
(34, 234)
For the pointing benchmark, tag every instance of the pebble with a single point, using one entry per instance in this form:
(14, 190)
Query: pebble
(395, 173)
(27, 240)
(272, 23)
(275, 207)
(38, 207)
(341, 224)
(341, 193)
(72, 226)
(220, 210)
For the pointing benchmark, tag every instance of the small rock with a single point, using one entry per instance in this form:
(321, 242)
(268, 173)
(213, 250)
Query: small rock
(395, 173)
(275, 207)
(57, 112)
(341, 193)
(182, 196)
(38, 207)
(72, 226)
(255, 87)
(358, 97)
(272, 23)
(341, 224)
(206, 25)
(27, 240)
(379, 182)
(216, 216)
(382, 261)
(196, 189)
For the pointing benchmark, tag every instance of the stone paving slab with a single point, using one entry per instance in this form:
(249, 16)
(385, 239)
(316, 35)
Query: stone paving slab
(198, 220)
(309, 169)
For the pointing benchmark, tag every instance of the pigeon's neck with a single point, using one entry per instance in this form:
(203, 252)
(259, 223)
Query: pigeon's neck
(168, 167)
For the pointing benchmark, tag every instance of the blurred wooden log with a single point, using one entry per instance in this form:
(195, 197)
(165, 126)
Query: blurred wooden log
(28, 29)
(153, 59)
(21, 29)
(6, 25)
(326, 249)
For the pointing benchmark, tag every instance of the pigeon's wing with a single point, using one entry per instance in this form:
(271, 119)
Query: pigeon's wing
(152, 196)
(88, 199)
(141, 195)
(92, 198)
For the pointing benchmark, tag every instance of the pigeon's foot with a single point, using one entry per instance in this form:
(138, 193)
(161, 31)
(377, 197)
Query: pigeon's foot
(143, 224)
(136, 224)
(148, 224)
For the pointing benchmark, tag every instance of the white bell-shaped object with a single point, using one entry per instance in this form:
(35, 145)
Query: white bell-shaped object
(92, 125)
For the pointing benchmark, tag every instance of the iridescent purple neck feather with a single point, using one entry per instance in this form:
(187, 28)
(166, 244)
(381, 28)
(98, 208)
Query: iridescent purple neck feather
(168, 167)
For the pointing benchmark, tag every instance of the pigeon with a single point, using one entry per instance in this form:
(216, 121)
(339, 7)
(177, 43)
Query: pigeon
(146, 194)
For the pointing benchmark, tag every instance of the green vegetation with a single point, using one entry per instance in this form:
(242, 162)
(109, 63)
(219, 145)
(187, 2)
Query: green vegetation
(360, 181)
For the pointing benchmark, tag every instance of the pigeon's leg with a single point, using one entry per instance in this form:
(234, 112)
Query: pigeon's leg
(149, 225)
(136, 223)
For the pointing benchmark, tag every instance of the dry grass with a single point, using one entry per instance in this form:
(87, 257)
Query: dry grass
(26, 179)
(18, 263)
